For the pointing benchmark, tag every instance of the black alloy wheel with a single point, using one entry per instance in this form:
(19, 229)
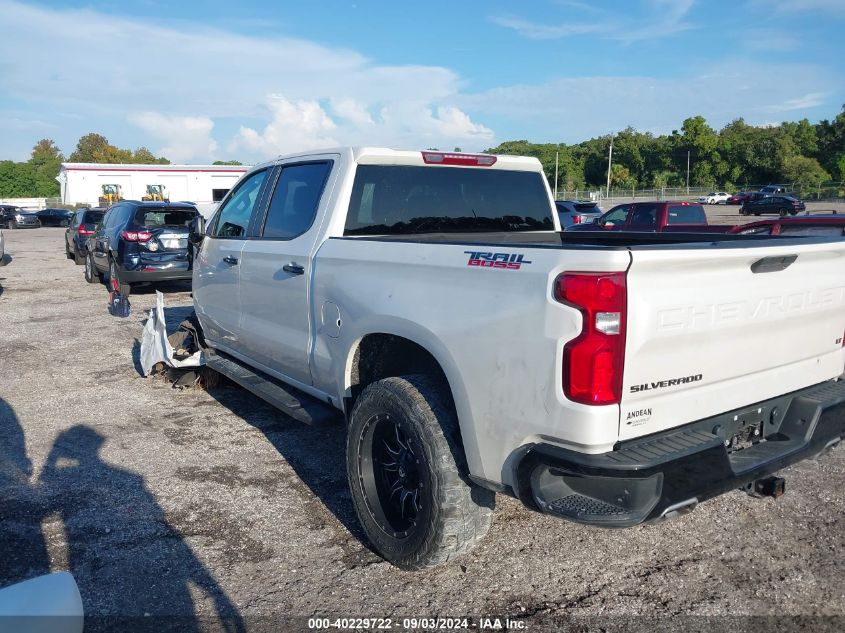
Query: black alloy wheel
(392, 485)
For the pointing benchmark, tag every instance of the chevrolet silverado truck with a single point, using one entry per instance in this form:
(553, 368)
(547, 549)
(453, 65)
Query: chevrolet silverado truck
(431, 301)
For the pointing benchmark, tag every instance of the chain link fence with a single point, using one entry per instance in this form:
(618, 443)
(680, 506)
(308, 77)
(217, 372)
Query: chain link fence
(828, 191)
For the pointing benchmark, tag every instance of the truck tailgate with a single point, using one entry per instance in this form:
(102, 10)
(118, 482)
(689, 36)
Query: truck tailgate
(712, 329)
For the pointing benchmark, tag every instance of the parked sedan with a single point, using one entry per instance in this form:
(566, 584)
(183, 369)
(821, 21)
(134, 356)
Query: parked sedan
(140, 242)
(782, 205)
(81, 228)
(577, 212)
(54, 217)
(715, 197)
(16, 218)
(806, 226)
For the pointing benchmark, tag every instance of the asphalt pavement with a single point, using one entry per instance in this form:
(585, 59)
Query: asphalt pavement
(201, 510)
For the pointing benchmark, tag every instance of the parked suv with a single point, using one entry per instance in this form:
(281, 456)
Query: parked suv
(13, 217)
(571, 212)
(140, 242)
(54, 217)
(80, 229)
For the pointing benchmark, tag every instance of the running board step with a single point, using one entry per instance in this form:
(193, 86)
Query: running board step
(289, 400)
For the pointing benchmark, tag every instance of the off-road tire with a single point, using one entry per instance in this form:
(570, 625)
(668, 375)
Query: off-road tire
(454, 514)
(92, 275)
(114, 280)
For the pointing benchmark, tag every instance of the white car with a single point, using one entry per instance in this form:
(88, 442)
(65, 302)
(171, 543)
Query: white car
(715, 197)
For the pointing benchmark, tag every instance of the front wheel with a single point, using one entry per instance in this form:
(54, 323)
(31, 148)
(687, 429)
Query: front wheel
(407, 474)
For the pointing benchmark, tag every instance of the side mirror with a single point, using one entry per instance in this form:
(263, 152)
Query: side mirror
(197, 230)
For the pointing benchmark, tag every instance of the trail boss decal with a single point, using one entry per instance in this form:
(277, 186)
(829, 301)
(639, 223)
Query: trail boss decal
(648, 386)
(508, 261)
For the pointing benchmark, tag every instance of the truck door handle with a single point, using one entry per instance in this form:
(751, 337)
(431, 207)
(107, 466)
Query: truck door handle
(773, 264)
(293, 269)
(232, 261)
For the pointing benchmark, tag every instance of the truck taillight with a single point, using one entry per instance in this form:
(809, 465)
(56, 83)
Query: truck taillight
(593, 362)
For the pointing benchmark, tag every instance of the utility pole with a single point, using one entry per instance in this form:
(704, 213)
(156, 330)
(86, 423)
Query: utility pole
(609, 161)
(687, 172)
(557, 156)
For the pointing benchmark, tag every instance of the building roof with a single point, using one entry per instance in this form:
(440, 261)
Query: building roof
(137, 167)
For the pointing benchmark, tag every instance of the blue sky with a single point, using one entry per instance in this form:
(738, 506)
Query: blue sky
(198, 81)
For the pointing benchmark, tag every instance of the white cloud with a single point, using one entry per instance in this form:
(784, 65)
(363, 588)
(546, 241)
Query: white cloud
(660, 18)
(810, 100)
(353, 111)
(294, 126)
(186, 137)
(200, 73)
(297, 125)
(572, 109)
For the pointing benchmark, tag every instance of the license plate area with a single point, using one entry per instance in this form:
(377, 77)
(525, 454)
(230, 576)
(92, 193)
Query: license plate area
(171, 241)
(748, 429)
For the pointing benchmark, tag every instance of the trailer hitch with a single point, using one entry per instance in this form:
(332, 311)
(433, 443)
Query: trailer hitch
(766, 487)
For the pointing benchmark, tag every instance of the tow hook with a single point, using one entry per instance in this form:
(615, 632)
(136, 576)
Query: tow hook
(767, 487)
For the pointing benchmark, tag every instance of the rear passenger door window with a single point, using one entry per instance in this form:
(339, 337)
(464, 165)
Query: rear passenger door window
(685, 214)
(233, 218)
(295, 199)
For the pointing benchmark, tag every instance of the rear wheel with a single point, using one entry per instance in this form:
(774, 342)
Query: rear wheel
(92, 275)
(406, 473)
(68, 254)
(782, 212)
(114, 280)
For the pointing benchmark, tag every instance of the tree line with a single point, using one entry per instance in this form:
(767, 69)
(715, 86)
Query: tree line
(36, 177)
(738, 155)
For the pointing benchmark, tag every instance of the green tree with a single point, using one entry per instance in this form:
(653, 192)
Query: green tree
(46, 160)
(90, 148)
(143, 156)
(803, 170)
(17, 180)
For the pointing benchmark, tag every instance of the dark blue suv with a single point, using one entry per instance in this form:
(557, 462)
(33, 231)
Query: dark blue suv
(140, 242)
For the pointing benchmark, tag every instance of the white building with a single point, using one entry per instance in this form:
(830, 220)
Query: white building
(204, 185)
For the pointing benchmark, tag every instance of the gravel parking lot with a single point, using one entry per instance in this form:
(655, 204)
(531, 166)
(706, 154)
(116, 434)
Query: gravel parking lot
(217, 509)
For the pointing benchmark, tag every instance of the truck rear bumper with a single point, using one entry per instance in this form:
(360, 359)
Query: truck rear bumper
(668, 473)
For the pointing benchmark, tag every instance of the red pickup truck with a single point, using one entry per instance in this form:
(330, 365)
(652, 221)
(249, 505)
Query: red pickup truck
(681, 217)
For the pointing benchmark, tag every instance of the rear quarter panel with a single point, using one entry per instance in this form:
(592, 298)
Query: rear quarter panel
(498, 334)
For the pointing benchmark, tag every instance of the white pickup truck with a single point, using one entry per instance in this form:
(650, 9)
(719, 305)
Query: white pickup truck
(473, 348)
